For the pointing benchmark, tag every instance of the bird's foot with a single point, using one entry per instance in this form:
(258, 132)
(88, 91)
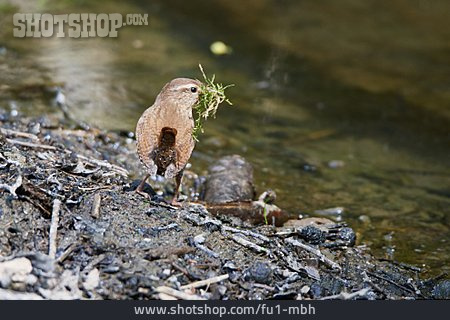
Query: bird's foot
(143, 193)
(176, 203)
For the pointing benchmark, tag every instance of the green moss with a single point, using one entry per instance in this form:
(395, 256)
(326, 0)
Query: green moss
(211, 96)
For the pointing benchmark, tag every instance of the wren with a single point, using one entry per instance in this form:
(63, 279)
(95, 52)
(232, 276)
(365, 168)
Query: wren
(164, 132)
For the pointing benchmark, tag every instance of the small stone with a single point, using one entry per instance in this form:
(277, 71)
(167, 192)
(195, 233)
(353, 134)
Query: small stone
(17, 267)
(312, 234)
(305, 289)
(335, 164)
(92, 280)
(348, 236)
(260, 272)
(166, 272)
(143, 290)
(316, 290)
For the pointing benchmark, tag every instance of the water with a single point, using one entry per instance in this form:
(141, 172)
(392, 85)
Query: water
(362, 85)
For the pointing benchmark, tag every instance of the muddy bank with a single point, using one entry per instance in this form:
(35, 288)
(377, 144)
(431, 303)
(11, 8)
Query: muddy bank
(71, 227)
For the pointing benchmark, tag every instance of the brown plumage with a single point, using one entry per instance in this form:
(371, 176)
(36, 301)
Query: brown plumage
(164, 131)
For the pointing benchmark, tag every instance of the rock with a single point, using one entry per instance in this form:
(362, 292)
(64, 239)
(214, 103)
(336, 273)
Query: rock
(312, 234)
(442, 290)
(92, 280)
(18, 268)
(347, 235)
(230, 179)
(260, 272)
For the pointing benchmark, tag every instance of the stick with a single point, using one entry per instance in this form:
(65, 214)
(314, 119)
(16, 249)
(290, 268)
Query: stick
(391, 282)
(247, 233)
(178, 294)
(9, 132)
(30, 144)
(162, 204)
(248, 244)
(95, 213)
(206, 282)
(348, 296)
(403, 265)
(54, 228)
(66, 253)
(102, 163)
(316, 252)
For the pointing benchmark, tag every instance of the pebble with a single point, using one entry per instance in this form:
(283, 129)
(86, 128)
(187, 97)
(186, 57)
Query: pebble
(312, 234)
(260, 272)
(348, 236)
(92, 280)
(336, 164)
(18, 268)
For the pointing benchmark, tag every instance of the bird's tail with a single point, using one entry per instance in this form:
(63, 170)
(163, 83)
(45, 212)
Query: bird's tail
(167, 137)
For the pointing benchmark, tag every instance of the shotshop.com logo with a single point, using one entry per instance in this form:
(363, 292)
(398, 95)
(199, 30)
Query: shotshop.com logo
(79, 25)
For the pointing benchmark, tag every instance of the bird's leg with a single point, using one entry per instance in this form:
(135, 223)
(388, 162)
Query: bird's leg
(140, 188)
(178, 178)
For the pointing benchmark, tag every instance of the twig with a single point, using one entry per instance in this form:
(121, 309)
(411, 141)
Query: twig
(348, 296)
(198, 243)
(54, 228)
(314, 251)
(95, 213)
(48, 214)
(9, 132)
(162, 204)
(391, 282)
(182, 269)
(94, 188)
(102, 163)
(263, 286)
(402, 265)
(30, 144)
(246, 232)
(66, 253)
(12, 189)
(78, 132)
(178, 294)
(206, 282)
(249, 244)
(94, 262)
(206, 250)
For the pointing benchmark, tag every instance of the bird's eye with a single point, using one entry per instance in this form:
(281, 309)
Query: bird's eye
(193, 89)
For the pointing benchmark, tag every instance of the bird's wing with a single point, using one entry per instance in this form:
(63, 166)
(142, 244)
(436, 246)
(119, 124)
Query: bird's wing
(147, 135)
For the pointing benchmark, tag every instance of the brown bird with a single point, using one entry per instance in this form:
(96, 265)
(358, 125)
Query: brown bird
(164, 132)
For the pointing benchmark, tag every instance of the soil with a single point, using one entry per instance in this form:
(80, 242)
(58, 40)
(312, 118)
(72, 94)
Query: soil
(112, 243)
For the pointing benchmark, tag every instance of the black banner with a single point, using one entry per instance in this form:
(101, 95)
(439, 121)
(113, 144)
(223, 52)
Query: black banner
(347, 310)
